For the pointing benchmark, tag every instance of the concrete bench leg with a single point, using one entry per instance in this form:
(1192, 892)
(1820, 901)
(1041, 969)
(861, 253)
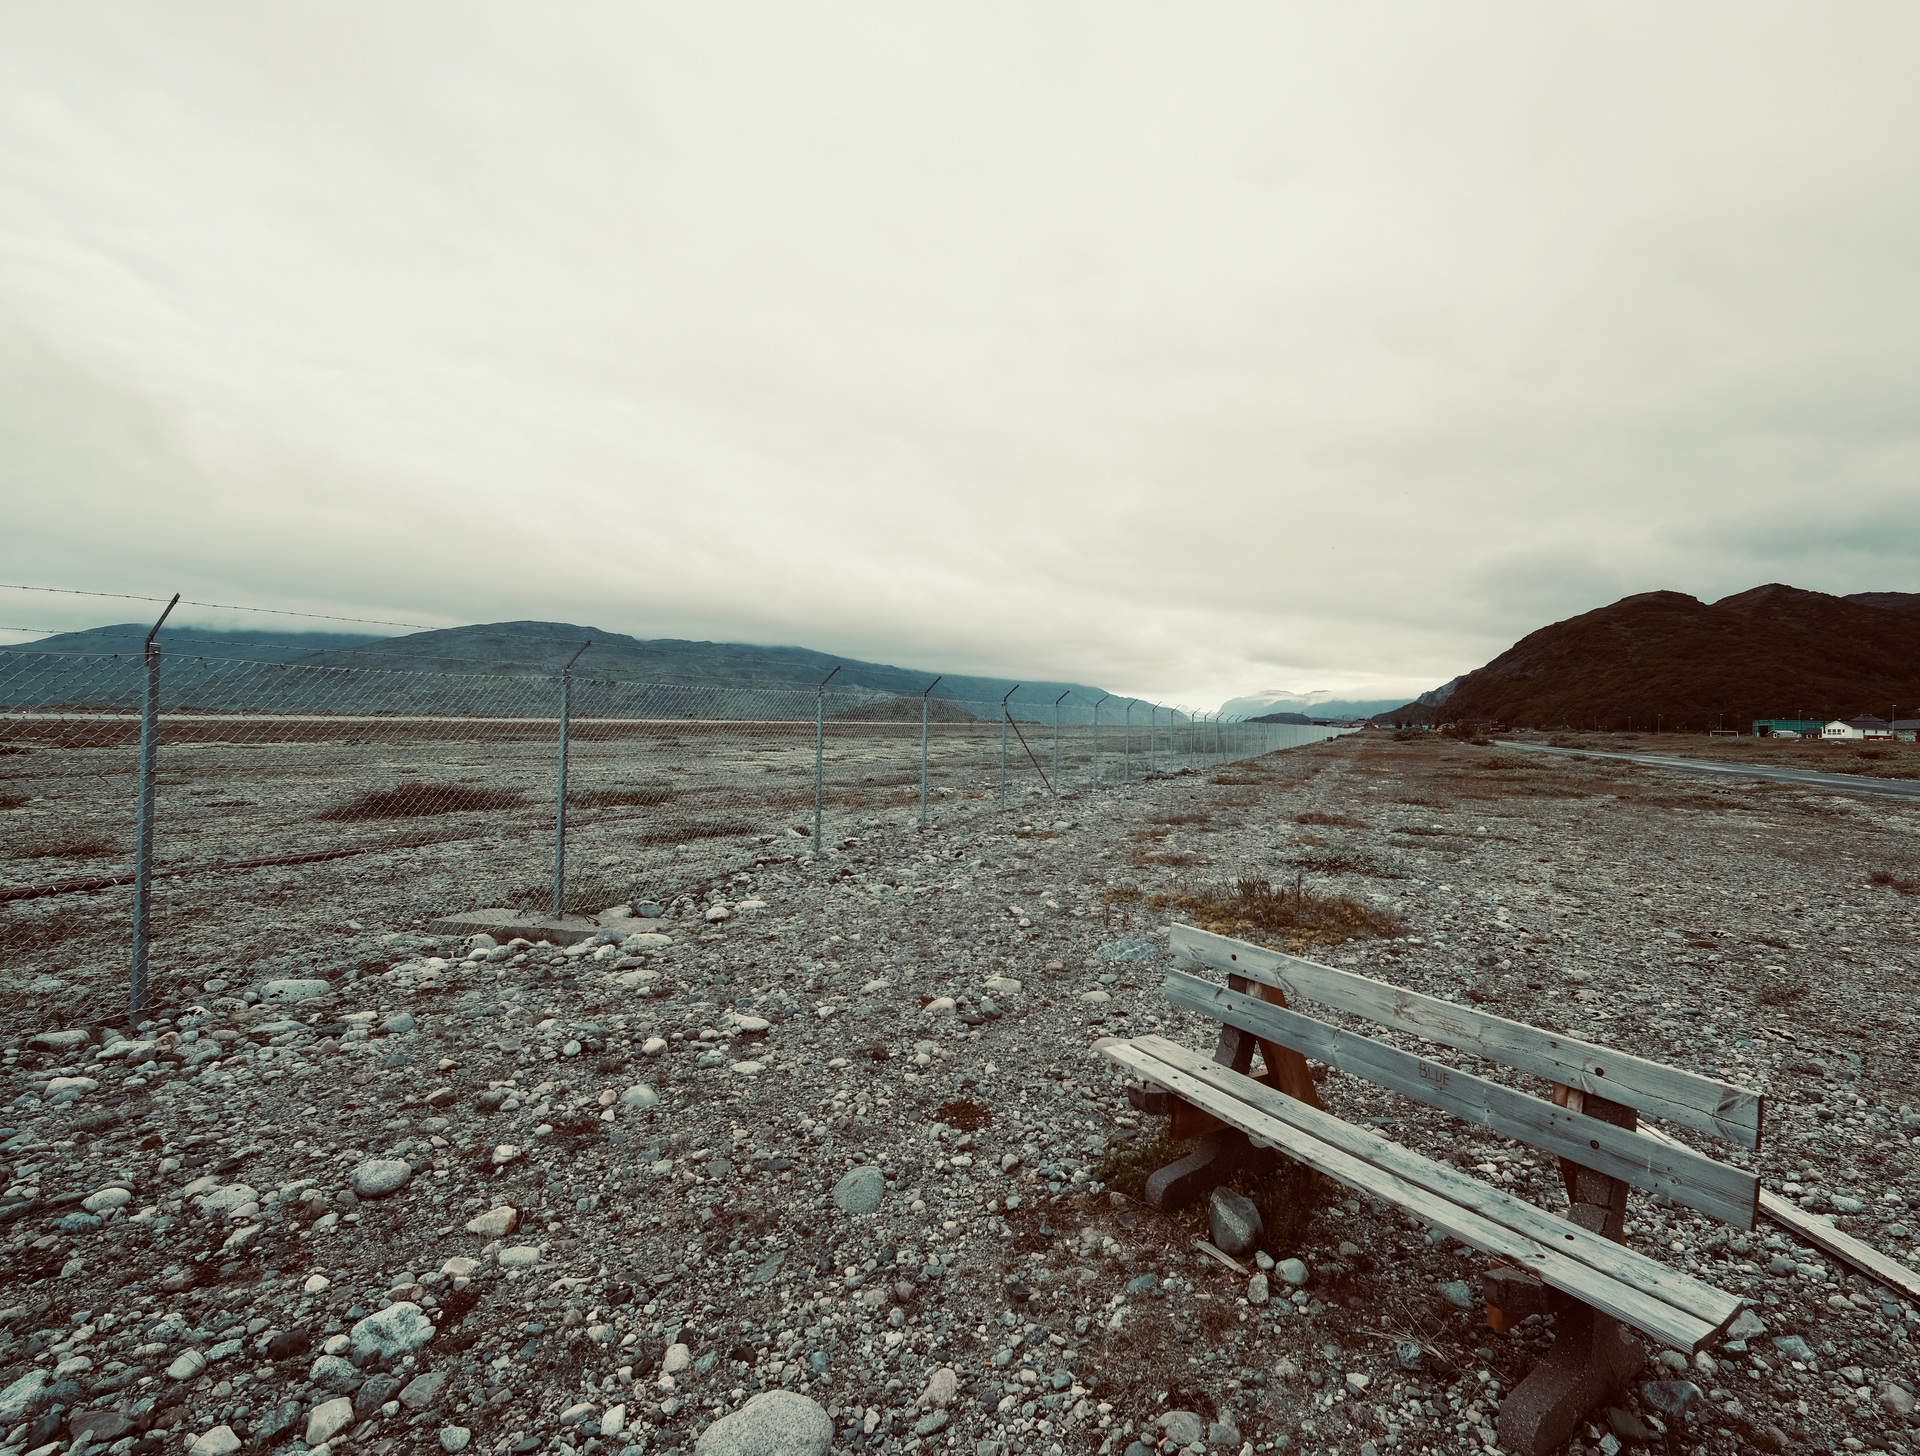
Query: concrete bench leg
(1593, 1354)
(1221, 1155)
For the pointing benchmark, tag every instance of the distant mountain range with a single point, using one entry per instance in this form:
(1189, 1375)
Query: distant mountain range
(1773, 652)
(519, 650)
(1318, 704)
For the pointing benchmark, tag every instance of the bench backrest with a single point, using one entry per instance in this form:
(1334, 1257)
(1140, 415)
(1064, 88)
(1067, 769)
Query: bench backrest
(1660, 1091)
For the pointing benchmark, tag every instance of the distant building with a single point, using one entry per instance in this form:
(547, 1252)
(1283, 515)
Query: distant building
(1843, 730)
(1800, 727)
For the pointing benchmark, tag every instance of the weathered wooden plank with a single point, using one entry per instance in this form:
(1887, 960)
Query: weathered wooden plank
(1627, 1300)
(1727, 1111)
(1844, 1246)
(1726, 1193)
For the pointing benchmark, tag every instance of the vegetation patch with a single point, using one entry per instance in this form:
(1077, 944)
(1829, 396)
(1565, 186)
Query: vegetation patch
(1894, 880)
(1314, 816)
(410, 801)
(1778, 986)
(69, 844)
(620, 796)
(1297, 916)
(1349, 862)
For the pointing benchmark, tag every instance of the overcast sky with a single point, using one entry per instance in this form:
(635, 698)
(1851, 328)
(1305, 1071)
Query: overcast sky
(1187, 350)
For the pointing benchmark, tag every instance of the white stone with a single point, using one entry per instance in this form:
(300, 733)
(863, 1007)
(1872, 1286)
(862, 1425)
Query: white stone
(220, 1441)
(186, 1365)
(640, 1095)
(521, 1256)
(315, 1283)
(748, 1069)
(105, 1199)
(495, 1222)
(718, 912)
(938, 1006)
(454, 1438)
(328, 1420)
(677, 1358)
(653, 1046)
(614, 1421)
(294, 990)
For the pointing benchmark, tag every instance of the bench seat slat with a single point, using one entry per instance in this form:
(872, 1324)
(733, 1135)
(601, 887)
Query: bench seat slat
(1715, 1188)
(1704, 1103)
(1679, 1312)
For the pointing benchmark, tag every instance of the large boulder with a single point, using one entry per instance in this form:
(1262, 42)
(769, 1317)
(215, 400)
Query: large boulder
(777, 1423)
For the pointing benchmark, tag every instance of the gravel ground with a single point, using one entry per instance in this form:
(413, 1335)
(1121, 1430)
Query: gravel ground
(835, 1129)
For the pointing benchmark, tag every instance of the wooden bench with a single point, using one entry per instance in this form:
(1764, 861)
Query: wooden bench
(1574, 1264)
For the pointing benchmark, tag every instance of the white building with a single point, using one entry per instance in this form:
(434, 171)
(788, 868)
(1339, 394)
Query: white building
(1855, 730)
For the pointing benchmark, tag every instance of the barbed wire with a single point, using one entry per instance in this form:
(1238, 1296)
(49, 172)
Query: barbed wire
(216, 606)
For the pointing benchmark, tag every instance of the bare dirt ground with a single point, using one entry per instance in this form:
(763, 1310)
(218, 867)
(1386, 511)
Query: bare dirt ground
(823, 1143)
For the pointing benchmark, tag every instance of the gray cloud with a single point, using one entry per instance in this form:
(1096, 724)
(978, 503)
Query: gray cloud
(1252, 348)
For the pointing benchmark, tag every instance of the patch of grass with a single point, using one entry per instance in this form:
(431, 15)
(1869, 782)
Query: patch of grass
(1122, 895)
(1777, 986)
(1237, 780)
(1904, 884)
(69, 844)
(1349, 862)
(13, 801)
(410, 801)
(1314, 816)
(1298, 916)
(1181, 816)
(680, 831)
(620, 796)
(1171, 859)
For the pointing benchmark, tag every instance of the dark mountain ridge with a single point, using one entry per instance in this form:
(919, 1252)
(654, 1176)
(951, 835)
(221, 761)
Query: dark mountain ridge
(505, 650)
(1773, 652)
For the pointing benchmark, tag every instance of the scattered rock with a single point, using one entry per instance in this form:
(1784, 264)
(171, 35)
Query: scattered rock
(1183, 1427)
(328, 1420)
(379, 1177)
(860, 1190)
(392, 1332)
(495, 1223)
(220, 1441)
(1673, 1398)
(1234, 1221)
(777, 1423)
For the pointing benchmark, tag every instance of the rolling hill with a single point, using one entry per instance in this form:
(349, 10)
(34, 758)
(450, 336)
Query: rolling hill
(67, 667)
(1773, 652)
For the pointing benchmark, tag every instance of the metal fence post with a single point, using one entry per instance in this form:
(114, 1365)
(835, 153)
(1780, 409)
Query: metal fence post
(1056, 742)
(1005, 719)
(819, 753)
(143, 827)
(560, 795)
(923, 750)
(1096, 739)
(1153, 730)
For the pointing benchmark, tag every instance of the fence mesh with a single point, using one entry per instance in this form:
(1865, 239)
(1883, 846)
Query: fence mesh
(308, 796)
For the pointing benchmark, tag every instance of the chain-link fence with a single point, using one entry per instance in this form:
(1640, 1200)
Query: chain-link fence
(405, 795)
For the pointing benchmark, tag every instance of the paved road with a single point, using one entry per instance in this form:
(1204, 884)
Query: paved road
(1800, 777)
